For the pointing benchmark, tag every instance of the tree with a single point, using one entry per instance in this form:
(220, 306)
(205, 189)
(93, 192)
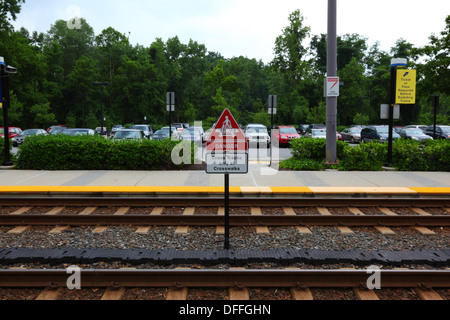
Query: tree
(290, 49)
(9, 9)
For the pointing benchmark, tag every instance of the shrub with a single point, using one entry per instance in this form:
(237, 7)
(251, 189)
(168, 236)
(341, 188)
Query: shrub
(95, 153)
(363, 157)
(309, 148)
(301, 164)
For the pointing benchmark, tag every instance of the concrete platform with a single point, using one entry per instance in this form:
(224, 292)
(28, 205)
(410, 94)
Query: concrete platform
(260, 179)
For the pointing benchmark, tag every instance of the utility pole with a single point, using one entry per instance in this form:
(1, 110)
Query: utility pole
(331, 72)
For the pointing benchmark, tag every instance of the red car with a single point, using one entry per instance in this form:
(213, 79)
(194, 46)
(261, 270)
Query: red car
(13, 131)
(286, 134)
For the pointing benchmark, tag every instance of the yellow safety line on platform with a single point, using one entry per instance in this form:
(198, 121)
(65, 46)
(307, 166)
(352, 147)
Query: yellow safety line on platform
(432, 190)
(244, 189)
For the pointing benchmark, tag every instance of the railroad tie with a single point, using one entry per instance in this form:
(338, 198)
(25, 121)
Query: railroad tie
(182, 230)
(88, 211)
(55, 211)
(365, 294)
(256, 211)
(428, 294)
(177, 294)
(49, 294)
(19, 230)
(385, 230)
(220, 230)
(22, 210)
(290, 212)
(301, 294)
(238, 292)
(113, 294)
(157, 211)
(423, 230)
(325, 212)
(122, 211)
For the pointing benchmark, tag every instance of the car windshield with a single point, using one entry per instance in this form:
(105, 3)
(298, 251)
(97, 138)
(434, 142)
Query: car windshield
(288, 130)
(29, 132)
(383, 129)
(257, 130)
(75, 132)
(355, 130)
(319, 133)
(127, 135)
(445, 129)
(414, 132)
(143, 128)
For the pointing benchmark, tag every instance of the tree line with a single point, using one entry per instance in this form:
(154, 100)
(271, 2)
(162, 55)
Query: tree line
(57, 70)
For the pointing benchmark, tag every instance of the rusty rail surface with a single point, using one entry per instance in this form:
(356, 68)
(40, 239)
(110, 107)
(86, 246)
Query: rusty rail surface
(224, 278)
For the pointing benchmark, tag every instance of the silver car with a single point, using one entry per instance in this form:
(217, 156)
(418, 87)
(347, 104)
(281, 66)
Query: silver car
(19, 139)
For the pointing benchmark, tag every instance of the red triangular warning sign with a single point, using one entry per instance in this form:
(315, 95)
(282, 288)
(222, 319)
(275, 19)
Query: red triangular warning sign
(226, 135)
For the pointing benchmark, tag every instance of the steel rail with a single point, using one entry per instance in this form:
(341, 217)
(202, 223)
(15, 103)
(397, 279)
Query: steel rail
(224, 278)
(216, 220)
(269, 200)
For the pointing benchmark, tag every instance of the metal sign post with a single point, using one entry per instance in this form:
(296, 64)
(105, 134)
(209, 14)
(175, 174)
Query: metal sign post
(435, 103)
(170, 101)
(272, 110)
(226, 153)
(395, 63)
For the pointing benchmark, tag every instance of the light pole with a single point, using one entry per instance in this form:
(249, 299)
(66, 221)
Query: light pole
(5, 71)
(331, 72)
(101, 85)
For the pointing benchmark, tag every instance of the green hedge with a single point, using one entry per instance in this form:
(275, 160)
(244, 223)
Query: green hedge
(97, 153)
(407, 155)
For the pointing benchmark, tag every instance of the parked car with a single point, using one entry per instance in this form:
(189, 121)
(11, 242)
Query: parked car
(147, 129)
(13, 131)
(417, 126)
(442, 132)
(78, 132)
(191, 134)
(115, 128)
(161, 134)
(318, 134)
(257, 133)
(103, 132)
(314, 126)
(56, 130)
(377, 133)
(129, 134)
(19, 139)
(285, 134)
(353, 134)
(59, 127)
(302, 128)
(413, 134)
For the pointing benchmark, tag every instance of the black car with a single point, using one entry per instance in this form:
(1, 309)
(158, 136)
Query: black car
(413, 134)
(161, 134)
(442, 132)
(377, 133)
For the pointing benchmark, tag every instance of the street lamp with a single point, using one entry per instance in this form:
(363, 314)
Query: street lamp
(101, 85)
(5, 71)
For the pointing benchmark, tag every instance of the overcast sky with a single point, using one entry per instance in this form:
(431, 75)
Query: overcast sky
(242, 27)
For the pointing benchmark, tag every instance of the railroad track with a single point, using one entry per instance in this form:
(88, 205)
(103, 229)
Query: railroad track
(420, 213)
(238, 282)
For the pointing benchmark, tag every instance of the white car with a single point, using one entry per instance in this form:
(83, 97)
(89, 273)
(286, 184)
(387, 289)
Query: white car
(256, 134)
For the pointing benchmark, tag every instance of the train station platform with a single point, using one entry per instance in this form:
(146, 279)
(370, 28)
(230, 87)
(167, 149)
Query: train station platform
(259, 179)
